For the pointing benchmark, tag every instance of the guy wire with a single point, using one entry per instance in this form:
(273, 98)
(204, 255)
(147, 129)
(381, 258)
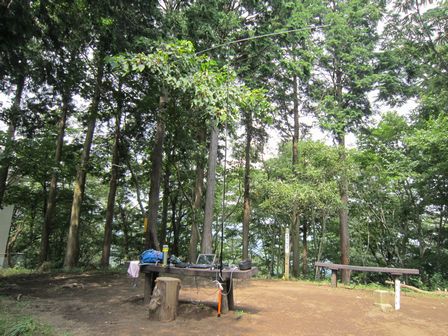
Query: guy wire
(260, 36)
(224, 170)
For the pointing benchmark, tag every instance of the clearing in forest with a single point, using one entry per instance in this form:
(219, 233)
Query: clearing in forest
(107, 304)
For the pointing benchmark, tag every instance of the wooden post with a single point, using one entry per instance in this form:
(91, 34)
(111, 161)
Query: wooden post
(397, 293)
(224, 301)
(164, 301)
(229, 291)
(150, 279)
(334, 278)
(286, 274)
(227, 302)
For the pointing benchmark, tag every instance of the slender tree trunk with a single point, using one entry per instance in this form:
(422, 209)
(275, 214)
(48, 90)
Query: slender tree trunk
(295, 162)
(12, 240)
(272, 264)
(125, 228)
(343, 213)
(113, 182)
(305, 248)
(206, 244)
(72, 249)
(48, 223)
(321, 242)
(15, 111)
(295, 137)
(176, 226)
(246, 201)
(198, 190)
(152, 239)
(295, 237)
(165, 200)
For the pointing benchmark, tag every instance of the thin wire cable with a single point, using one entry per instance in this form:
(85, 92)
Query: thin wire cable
(224, 174)
(260, 36)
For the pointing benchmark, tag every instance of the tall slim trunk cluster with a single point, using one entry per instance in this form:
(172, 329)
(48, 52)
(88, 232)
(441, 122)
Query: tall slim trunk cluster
(343, 214)
(295, 229)
(207, 238)
(14, 116)
(295, 238)
(343, 189)
(152, 239)
(113, 182)
(198, 191)
(72, 249)
(165, 200)
(246, 196)
(48, 223)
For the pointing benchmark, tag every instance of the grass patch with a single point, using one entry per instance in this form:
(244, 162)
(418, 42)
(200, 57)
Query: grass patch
(239, 313)
(13, 322)
(23, 326)
(16, 271)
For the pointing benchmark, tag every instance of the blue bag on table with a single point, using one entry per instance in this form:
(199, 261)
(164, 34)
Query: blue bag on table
(151, 256)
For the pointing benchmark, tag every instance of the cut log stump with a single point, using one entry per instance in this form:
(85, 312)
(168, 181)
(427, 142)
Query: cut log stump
(164, 300)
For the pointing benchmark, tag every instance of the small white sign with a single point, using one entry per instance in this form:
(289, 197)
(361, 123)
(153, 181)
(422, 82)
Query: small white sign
(287, 240)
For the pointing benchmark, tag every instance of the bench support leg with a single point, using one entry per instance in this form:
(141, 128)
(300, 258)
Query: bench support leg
(397, 293)
(334, 278)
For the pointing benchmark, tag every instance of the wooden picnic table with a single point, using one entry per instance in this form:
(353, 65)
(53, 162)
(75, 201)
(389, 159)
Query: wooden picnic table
(152, 271)
(395, 272)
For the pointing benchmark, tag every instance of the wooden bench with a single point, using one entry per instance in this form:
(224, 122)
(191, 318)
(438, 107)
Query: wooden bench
(395, 272)
(152, 271)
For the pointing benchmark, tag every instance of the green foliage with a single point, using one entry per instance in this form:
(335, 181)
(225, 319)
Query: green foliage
(397, 175)
(347, 63)
(13, 323)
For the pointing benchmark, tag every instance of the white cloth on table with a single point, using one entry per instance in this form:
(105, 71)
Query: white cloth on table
(134, 269)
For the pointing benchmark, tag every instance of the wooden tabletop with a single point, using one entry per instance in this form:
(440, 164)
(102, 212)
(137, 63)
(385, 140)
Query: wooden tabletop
(391, 270)
(227, 273)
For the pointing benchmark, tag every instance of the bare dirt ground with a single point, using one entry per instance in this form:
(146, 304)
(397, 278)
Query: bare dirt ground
(107, 304)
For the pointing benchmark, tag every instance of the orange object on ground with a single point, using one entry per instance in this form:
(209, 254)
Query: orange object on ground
(219, 302)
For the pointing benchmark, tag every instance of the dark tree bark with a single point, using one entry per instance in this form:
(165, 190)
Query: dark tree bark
(14, 116)
(295, 237)
(295, 137)
(125, 228)
(113, 182)
(206, 244)
(48, 223)
(152, 240)
(246, 196)
(343, 214)
(176, 220)
(305, 248)
(343, 184)
(165, 201)
(72, 250)
(295, 162)
(198, 190)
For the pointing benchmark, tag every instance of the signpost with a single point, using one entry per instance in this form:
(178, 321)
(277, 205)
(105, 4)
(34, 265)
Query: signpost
(286, 274)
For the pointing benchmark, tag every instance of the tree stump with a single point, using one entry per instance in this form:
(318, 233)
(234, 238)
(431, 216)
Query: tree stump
(164, 300)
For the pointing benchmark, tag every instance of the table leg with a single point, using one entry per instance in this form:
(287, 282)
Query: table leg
(150, 280)
(334, 278)
(397, 293)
